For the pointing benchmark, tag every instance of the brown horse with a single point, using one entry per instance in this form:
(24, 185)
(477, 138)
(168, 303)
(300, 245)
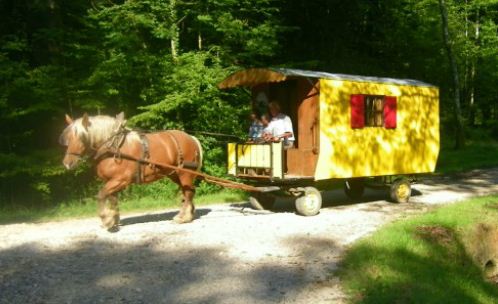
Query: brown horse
(123, 156)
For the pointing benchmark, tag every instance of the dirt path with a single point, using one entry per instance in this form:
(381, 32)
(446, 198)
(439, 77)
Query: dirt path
(230, 254)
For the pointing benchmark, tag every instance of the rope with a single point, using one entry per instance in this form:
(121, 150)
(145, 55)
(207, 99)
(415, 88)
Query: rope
(190, 132)
(213, 134)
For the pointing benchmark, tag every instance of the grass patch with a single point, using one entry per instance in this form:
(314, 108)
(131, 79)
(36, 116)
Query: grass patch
(422, 260)
(476, 154)
(88, 207)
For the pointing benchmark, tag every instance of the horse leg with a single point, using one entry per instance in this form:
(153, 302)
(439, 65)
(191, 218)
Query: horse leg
(109, 213)
(187, 210)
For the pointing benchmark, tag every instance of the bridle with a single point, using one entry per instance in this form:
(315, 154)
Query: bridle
(84, 153)
(78, 155)
(113, 141)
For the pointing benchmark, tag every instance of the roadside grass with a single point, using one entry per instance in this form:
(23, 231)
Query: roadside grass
(88, 207)
(424, 259)
(478, 153)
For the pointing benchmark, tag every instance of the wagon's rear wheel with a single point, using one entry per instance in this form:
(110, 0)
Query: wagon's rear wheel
(401, 190)
(310, 202)
(261, 201)
(354, 188)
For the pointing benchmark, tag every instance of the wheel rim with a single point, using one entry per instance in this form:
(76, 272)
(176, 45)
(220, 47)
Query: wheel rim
(403, 191)
(310, 201)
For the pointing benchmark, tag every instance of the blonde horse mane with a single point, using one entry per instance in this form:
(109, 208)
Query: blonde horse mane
(100, 129)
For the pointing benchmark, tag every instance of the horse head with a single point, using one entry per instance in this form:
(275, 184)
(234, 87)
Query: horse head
(83, 136)
(73, 138)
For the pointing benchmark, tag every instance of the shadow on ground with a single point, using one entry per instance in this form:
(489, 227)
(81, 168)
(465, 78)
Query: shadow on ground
(159, 217)
(331, 199)
(108, 272)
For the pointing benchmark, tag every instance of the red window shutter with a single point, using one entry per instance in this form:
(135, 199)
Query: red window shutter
(357, 111)
(390, 112)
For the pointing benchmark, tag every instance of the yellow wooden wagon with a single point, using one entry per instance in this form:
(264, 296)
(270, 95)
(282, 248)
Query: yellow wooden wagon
(359, 129)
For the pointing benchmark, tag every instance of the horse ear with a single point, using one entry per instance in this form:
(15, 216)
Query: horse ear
(69, 120)
(85, 121)
(120, 117)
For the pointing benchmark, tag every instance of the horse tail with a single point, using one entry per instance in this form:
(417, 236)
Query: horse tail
(200, 156)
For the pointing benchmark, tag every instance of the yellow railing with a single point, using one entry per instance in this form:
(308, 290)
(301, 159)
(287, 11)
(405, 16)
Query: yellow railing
(251, 159)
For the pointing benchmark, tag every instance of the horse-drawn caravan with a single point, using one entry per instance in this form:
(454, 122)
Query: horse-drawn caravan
(363, 130)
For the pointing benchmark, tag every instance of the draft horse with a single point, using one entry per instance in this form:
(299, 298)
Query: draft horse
(123, 156)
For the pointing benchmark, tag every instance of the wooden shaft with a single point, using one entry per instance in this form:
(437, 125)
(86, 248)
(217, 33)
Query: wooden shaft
(208, 178)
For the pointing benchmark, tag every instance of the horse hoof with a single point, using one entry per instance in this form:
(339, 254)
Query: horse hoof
(182, 219)
(113, 229)
(111, 224)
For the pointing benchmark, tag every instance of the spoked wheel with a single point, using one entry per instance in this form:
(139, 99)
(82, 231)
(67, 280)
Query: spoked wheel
(401, 190)
(354, 188)
(261, 201)
(310, 202)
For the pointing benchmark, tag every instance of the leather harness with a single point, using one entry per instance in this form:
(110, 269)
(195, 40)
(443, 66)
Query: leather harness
(145, 155)
(113, 145)
(179, 158)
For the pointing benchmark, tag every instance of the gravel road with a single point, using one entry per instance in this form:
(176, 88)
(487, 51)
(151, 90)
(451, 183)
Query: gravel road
(230, 254)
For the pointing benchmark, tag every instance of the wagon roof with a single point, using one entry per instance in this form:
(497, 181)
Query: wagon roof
(255, 76)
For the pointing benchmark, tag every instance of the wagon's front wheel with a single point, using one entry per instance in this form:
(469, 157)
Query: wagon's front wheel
(310, 202)
(261, 201)
(401, 190)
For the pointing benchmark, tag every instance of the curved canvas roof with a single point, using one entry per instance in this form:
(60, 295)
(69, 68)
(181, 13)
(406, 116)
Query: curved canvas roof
(255, 76)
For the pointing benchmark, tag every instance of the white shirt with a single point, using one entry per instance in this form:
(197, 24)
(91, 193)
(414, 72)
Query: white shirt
(279, 125)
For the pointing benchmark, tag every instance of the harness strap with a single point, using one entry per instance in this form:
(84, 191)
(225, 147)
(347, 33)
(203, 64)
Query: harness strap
(145, 155)
(180, 158)
(75, 154)
(112, 145)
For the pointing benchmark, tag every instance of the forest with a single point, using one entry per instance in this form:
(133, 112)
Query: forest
(159, 62)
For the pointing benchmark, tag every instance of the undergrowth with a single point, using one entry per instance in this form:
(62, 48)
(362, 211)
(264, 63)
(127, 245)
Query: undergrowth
(422, 260)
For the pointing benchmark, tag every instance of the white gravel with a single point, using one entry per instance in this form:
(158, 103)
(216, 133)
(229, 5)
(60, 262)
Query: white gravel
(230, 254)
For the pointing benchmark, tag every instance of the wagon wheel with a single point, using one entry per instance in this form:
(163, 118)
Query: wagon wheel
(400, 190)
(261, 201)
(310, 202)
(354, 188)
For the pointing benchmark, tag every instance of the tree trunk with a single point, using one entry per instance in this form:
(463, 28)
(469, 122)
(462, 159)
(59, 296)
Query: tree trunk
(472, 104)
(459, 136)
(175, 31)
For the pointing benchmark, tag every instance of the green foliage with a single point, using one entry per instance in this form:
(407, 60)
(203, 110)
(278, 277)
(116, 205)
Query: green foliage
(422, 260)
(39, 180)
(159, 62)
(480, 152)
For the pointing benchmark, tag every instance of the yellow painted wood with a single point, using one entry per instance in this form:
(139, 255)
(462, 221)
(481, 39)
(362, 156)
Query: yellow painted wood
(231, 166)
(253, 156)
(277, 152)
(264, 156)
(412, 147)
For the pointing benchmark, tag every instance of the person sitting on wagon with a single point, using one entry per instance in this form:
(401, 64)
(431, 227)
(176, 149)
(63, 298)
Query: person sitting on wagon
(256, 128)
(280, 127)
(265, 121)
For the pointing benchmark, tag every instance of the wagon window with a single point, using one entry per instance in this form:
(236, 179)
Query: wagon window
(374, 111)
